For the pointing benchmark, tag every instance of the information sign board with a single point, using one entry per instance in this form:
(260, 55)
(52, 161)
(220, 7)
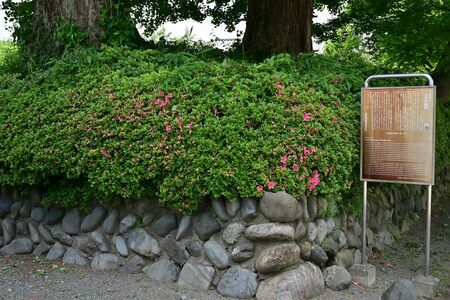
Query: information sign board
(397, 134)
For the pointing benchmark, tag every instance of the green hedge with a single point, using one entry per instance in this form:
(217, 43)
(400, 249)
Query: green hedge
(119, 123)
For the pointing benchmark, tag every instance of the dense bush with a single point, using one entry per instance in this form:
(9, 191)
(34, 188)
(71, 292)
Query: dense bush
(119, 123)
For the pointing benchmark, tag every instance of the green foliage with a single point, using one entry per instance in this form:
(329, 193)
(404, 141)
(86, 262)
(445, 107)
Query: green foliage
(121, 123)
(411, 35)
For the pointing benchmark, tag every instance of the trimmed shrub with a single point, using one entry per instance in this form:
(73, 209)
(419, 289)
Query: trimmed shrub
(119, 123)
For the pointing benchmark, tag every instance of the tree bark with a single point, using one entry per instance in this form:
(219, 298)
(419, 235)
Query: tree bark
(85, 14)
(276, 26)
(441, 75)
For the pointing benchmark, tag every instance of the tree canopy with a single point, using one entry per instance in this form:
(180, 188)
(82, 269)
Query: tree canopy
(410, 35)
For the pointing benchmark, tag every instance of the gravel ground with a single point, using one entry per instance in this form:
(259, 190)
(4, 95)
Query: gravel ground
(25, 277)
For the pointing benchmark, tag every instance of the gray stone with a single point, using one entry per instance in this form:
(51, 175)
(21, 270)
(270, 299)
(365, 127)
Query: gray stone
(148, 218)
(277, 258)
(2, 243)
(341, 238)
(318, 256)
(331, 224)
(101, 241)
(25, 210)
(175, 252)
(232, 207)
(38, 214)
(369, 236)
(197, 277)
(18, 246)
(357, 228)
(56, 252)
(205, 225)
(74, 257)
(165, 224)
(61, 236)
(193, 247)
(22, 228)
(84, 244)
(219, 209)
(321, 206)
(344, 258)
(402, 289)
(111, 222)
(305, 250)
(270, 231)
(237, 282)
(303, 201)
(133, 265)
(249, 209)
(330, 246)
(304, 282)
(5, 206)
(386, 237)
(129, 222)
(233, 233)
(353, 240)
(45, 234)
(54, 216)
(217, 254)
(322, 231)
(94, 219)
(183, 227)
(106, 261)
(141, 242)
(163, 270)
(337, 278)
(426, 286)
(300, 231)
(364, 274)
(9, 230)
(312, 207)
(279, 207)
(243, 250)
(15, 209)
(72, 221)
(357, 257)
(312, 231)
(121, 246)
(41, 249)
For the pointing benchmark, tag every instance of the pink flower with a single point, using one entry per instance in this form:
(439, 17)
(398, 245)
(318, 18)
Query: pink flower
(306, 151)
(283, 159)
(306, 116)
(180, 126)
(334, 120)
(295, 167)
(168, 128)
(271, 185)
(260, 188)
(189, 125)
(314, 180)
(294, 109)
(105, 153)
(313, 149)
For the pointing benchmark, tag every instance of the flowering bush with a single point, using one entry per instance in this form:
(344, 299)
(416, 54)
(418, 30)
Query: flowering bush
(119, 124)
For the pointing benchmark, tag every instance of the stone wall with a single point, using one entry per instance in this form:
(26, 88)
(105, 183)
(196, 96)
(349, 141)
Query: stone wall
(272, 247)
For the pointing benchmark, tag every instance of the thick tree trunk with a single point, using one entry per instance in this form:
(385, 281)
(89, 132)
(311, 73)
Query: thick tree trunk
(275, 26)
(85, 14)
(441, 75)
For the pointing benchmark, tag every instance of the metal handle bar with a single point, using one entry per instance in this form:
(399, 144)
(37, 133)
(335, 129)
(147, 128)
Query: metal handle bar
(430, 80)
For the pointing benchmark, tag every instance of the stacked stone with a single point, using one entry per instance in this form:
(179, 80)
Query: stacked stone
(272, 248)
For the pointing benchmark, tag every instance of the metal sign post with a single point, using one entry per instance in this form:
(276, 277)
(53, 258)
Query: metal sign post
(397, 141)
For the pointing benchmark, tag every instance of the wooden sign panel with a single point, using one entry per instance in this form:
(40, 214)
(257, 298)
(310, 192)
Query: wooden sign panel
(397, 134)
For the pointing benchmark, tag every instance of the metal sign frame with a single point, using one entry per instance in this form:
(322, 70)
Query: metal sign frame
(429, 185)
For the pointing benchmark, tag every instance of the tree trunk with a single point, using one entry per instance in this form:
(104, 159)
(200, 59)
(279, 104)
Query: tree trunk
(441, 75)
(85, 14)
(275, 26)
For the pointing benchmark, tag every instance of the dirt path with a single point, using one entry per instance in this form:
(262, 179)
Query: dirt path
(25, 277)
